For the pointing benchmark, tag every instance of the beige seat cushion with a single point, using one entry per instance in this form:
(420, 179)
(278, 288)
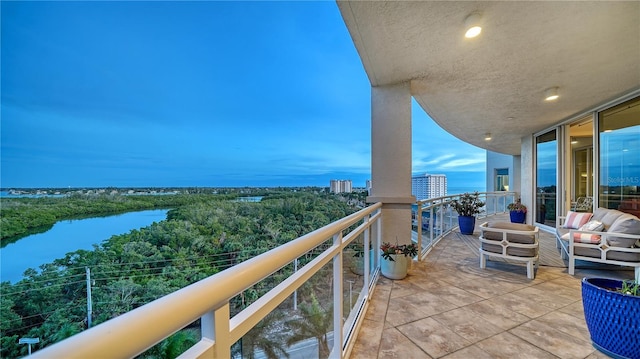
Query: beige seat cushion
(623, 256)
(512, 251)
(582, 251)
(511, 237)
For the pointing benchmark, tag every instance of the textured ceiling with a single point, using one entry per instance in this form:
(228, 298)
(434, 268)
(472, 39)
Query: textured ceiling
(495, 82)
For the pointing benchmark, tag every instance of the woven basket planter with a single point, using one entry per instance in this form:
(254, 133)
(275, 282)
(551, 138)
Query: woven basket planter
(613, 318)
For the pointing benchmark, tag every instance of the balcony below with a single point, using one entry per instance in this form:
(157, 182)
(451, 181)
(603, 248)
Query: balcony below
(450, 308)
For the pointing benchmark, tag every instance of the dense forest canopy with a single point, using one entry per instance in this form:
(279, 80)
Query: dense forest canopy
(26, 215)
(202, 235)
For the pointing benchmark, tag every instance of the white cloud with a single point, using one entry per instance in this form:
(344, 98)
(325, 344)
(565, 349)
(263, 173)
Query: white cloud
(465, 163)
(440, 159)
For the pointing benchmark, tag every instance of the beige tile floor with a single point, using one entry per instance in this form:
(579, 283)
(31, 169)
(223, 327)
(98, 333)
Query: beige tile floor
(447, 307)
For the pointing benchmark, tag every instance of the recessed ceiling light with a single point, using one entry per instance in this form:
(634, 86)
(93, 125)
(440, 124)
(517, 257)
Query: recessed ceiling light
(487, 136)
(472, 25)
(551, 94)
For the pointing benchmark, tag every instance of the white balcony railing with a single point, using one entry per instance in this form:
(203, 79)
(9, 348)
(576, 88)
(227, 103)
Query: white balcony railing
(208, 300)
(433, 218)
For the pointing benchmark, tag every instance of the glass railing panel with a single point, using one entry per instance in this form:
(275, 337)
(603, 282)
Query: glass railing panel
(311, 324)
(269, 338)
(291, 330)
(354, 271)
(374, 263)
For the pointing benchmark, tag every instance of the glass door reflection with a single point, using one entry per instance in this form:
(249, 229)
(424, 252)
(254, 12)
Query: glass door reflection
(546, 178)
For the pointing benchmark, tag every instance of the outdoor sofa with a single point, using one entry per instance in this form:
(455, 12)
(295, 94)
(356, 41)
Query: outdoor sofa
(605, 236)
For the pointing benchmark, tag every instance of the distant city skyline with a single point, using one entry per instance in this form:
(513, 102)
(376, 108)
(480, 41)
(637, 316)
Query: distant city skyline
(203, 94)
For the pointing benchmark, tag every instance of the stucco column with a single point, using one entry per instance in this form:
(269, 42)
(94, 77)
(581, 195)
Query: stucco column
(391, 159)
(528, 173)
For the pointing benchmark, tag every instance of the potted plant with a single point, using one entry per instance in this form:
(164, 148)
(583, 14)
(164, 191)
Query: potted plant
(612, 312)
(467, 206)
(396, 258)
(517, 212)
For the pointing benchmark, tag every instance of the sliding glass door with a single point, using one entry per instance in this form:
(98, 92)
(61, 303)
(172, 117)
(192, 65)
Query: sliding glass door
(591, 161)
(580, 169)
(546, 178)
(619, 138)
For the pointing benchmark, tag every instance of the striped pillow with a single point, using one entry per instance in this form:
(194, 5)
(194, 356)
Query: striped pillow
(583, 238)
(576, 220)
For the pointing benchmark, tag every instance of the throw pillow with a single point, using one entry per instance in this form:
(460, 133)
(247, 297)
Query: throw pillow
(583, 238)
(627, 224)
(594, 226)
(576, 220)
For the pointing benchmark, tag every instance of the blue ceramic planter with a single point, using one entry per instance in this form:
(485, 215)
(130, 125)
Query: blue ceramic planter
(613, 318)
(466, 223)
(517, 217)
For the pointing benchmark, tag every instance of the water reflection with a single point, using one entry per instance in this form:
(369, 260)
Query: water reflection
(69, 236)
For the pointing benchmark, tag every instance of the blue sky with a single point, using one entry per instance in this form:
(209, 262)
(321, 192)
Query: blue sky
(194, 94)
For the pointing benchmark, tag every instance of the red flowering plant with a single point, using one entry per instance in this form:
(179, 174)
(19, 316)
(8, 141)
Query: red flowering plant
(408, 250)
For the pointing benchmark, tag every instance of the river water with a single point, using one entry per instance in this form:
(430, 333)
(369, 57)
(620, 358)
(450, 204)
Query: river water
(68, 236)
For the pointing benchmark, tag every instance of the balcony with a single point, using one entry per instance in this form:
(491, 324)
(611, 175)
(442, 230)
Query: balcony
(450, 308)
(446, 306)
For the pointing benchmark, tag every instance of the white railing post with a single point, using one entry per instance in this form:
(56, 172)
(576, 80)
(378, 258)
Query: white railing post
(366, 253)
(439, 210)
(222, 347)
(432, 225)
(336, 352)
(217, 331)
(378, 241)
(295, 293)
(419, 229)
(495, 199)
(449, 217)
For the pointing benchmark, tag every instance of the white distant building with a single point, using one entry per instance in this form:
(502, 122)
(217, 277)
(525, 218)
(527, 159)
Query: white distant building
(428, 186)
(340, 186)
(367, 186)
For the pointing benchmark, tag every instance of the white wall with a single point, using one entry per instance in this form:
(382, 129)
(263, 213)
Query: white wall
(527, 176)
(498, 161)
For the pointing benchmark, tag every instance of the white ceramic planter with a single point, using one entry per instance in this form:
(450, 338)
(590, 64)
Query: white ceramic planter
(396, 269)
